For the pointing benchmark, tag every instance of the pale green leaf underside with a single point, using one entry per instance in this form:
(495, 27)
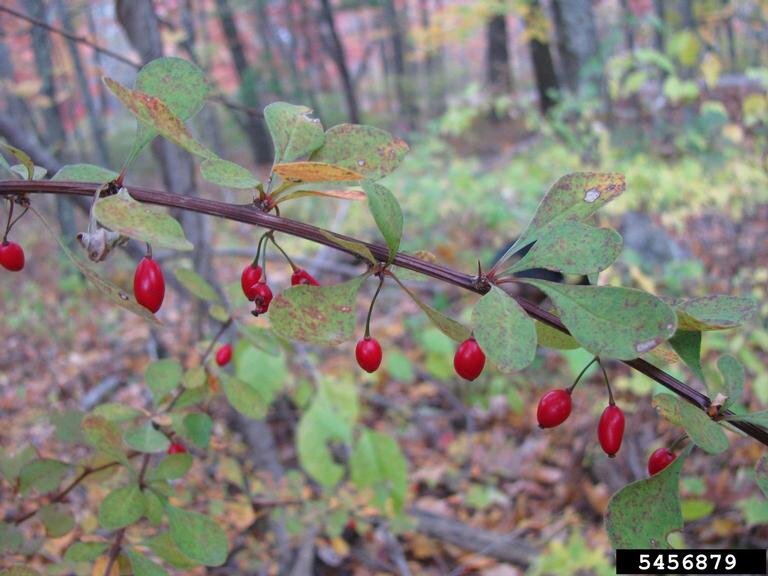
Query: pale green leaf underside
(704, 432)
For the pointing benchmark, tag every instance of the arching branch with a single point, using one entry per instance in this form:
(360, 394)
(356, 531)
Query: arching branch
(249, 214)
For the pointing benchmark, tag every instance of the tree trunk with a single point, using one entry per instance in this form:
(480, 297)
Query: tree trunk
(498, 69)
(547, 84)
(730, 39)
(340, 60)
(627, 24)
(408, 108)
(55, 136)
(99, 143)
(267, 39)
(433, 71)
(255, 128)
(96, 61)
(658, 32)
(577, 43)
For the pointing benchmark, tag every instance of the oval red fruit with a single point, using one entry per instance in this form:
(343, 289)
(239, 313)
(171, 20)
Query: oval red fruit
(554, 408)
(149, 284)
(262, 296)
(11, 256)
(249, 278)
(368, 354)
(177, 448)
(469, 359)
(224, 355)
(301, 276)
(659, 460)
(610, 430)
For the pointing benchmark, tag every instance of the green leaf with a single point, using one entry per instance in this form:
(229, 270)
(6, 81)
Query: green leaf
(162, 377)
(19, 571)
(117, 412)
(57, 519)
(321, 424)
(243, 397)
(117, 295)
(166, 549)
(104, 436)
(147, 439)
(733, 378)
(704, 432)
(178, 84)
(68, 425)
(121, 507)
(154, 509)
(552, 337)
(572, 248)
(352, 245)
(142, 566)
(85, 173)
(38, 172)
(198, 427)
(573, 197)
(611, 321)
(386, 212)
(369, 151)
(195, 377)
(155, 117)
(196, 284)
(85, 551)
(43, 475)
(294, 132)
(11, 538)
(718, 312)
(447, 325)
(121, 213)
(197, 536)
(172, 467)
(10, 466)
(227, 174)
(504, 331)
(263, 370)
(644, 513)
(316, 314)
(22, 157)
(377, 462)
(687, 344)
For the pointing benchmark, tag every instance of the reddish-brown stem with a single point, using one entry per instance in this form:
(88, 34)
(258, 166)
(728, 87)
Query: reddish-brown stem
(66, 490)
(251, 215)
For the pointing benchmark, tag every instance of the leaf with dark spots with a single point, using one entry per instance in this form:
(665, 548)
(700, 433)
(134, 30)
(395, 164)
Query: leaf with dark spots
(644, 513)
(574, 197)
(610, 321)
(317, 314)
(716, 312)
(572, 248)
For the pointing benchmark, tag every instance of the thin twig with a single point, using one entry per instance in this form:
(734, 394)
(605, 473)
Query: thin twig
(248, 214)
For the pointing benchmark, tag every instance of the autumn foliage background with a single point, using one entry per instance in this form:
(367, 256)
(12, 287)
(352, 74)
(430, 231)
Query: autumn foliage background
(674, 98)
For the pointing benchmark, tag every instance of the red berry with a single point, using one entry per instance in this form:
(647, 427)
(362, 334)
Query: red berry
(224, 355)
(659, 460)
(177, 448)
(248, 279)
(301, 276)
(368, 354)
(262, 296)
(554, 408)
(149, 284)
(11, 256)
(610, 431)
(469, 359)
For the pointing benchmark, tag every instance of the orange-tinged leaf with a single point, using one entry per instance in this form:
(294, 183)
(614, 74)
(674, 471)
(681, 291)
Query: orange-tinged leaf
(316, 172)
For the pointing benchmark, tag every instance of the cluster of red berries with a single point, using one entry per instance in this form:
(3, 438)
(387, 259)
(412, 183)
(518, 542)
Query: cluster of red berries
(257, 290)
(555, 407)
(468, 361)
(11, 256)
